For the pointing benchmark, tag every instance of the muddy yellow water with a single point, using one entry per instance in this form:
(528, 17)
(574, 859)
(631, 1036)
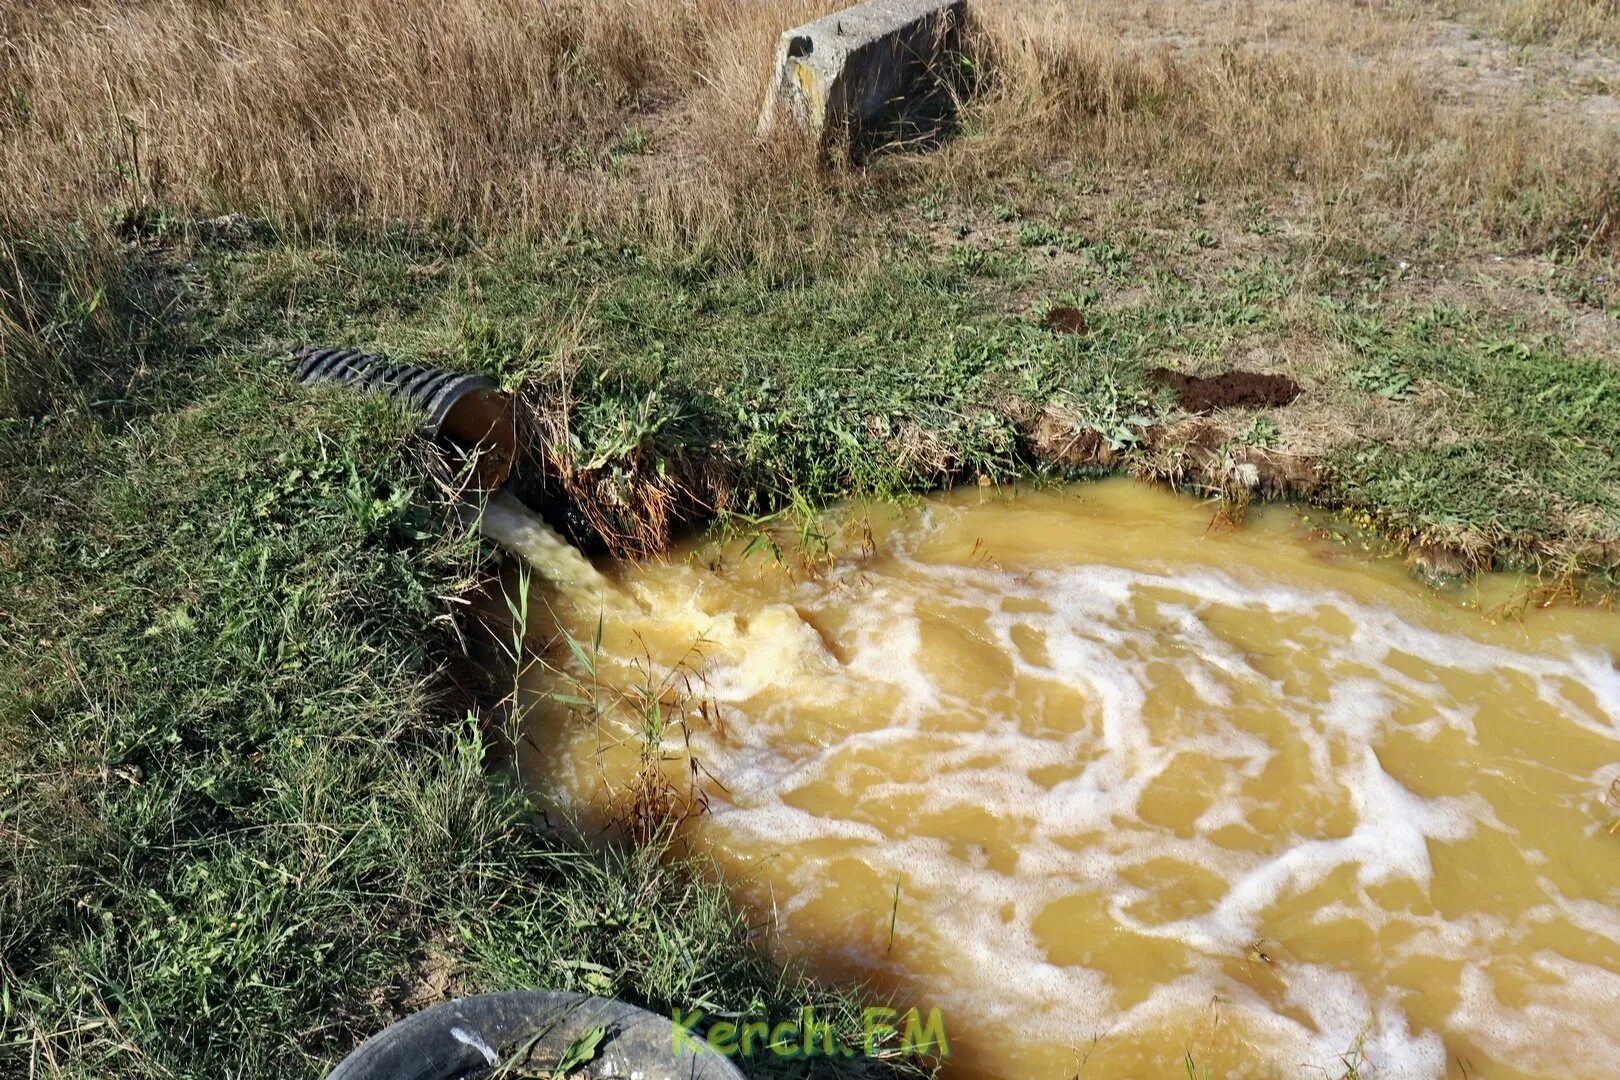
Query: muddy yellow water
(1112, 788)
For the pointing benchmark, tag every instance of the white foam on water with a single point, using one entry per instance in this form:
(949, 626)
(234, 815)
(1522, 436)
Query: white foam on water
(1086, 835)
(1537, 1034)
(1336, 1002)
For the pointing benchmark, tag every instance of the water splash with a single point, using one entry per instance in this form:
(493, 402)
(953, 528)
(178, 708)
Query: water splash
(511, 524)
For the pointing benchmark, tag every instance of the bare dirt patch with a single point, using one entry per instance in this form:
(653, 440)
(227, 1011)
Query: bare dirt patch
(1229, 390)
(1470, 69)
(1063, 319)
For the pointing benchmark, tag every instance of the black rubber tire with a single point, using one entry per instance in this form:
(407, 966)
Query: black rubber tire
(464, 1038)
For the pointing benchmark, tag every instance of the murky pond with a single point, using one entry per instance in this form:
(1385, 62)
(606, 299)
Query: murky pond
(1111, 787)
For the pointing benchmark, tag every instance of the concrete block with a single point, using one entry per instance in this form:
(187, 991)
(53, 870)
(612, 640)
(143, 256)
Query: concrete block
(856, 64)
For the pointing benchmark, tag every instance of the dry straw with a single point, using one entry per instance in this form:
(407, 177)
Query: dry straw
(506, 113)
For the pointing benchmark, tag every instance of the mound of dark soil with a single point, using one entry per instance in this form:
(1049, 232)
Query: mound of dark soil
(1229, 390)
(1064, 320)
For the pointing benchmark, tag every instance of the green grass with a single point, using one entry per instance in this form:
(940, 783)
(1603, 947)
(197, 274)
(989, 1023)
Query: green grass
(811, 386)
(1532, 458)
(74, 311)
(247, 812)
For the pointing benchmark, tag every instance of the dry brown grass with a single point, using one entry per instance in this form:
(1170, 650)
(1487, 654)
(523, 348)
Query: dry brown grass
(1563, 22)
(1361, 133)
(459, 113)
(475, 115)
(484, 117)
(1219, 113)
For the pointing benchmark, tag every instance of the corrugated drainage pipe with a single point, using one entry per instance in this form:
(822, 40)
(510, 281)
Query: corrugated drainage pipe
(466, 410)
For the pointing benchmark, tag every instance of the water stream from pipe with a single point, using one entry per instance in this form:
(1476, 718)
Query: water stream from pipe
(1147, 789)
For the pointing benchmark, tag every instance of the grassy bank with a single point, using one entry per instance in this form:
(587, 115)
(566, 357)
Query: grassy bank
(246, 816)
(658, 389)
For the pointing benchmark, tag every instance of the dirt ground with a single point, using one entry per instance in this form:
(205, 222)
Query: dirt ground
(1228, 390)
